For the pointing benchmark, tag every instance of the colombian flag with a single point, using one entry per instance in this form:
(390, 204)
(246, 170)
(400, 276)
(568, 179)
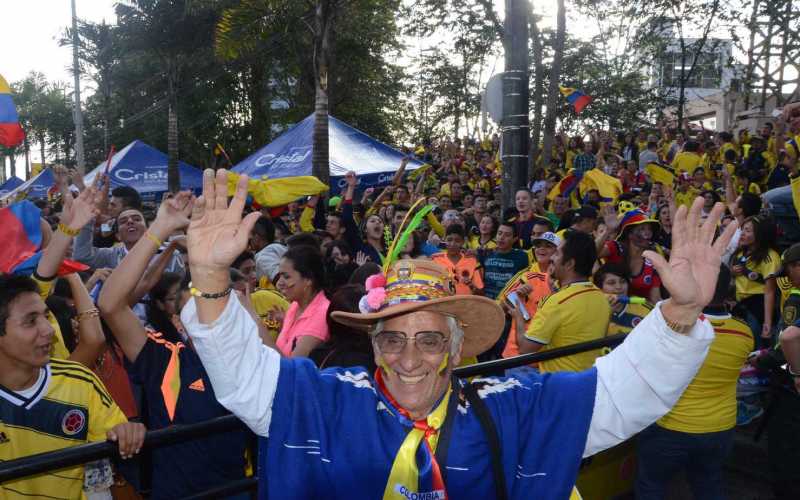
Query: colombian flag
(565, 187)
(575, 97)
(278, 192)
(11, 133)
(609, 187)
(21, 249)
(657, 172)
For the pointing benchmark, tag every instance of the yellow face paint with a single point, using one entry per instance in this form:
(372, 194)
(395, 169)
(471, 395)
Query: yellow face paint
(443, 364)
(385, 367)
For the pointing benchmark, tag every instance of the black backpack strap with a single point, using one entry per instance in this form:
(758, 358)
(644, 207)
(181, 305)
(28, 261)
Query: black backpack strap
(446, 430)
(487, 424)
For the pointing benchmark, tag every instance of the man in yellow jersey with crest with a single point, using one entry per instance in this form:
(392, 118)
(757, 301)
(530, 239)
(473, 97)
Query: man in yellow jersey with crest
(48, 404)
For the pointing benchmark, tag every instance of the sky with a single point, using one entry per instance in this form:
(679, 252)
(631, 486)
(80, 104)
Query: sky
(34, 28)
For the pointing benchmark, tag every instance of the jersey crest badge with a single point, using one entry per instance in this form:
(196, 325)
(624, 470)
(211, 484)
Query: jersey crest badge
(73, 422)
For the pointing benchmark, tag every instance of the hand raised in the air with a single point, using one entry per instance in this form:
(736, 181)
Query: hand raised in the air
(693, 267)
(217, 232)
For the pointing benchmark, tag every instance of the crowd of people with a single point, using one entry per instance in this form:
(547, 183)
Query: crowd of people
(105, 352)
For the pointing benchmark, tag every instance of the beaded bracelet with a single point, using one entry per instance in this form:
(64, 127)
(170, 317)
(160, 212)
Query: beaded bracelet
(194, 292)
(68, 230)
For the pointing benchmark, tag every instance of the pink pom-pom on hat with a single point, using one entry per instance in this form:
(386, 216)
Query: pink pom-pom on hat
(375, 298)
(375, 281)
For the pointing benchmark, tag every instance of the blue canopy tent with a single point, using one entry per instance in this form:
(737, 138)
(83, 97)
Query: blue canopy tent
(10, 185)
(35, 187)
(144, 168)
(289, 155)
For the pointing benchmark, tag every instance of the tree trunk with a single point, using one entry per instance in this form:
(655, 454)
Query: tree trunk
(173, 173)
(538, 83)
(320, 159)
(515, 123)
(42, 141)
(552, 90)
(27, 147)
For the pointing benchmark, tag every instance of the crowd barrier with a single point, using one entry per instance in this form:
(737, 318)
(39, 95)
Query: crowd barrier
(68, 457)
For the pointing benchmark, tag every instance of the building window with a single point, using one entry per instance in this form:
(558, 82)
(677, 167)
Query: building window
(707, 73)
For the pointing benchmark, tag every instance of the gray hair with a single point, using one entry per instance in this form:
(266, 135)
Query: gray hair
(456, 333)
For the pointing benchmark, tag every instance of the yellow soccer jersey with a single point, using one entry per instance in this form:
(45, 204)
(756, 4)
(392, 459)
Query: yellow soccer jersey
(785, 288)
(630, 316)
(686, 161)
(577, 313)
(686, 198)
(59, 349)
(709, 403)
(66, 407)
(753, 281)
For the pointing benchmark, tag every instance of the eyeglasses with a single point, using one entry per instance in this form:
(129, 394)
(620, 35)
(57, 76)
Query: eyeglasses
(394, 342)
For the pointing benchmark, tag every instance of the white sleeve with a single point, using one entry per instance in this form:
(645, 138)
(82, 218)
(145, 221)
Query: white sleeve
(731, 248)
(642, 379)
(243, 371)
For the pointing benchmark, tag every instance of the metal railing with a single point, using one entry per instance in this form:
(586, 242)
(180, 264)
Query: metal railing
(81, 454)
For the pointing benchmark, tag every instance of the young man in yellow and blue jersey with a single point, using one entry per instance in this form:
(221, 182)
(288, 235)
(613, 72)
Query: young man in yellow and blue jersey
(48, 404)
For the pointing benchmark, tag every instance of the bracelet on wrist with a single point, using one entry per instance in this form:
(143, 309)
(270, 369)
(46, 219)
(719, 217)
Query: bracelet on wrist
(68, 230)
(150, 236)
(195, 292)
(677, 327)
(791, 373)
(89, 313)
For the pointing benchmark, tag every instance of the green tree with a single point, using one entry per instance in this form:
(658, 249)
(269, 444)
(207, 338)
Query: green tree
(178, 37)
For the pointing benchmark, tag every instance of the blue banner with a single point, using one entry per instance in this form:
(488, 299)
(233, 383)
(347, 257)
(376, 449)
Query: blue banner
(144, 168)
(289, 155)
(35, 187)
(10, 185)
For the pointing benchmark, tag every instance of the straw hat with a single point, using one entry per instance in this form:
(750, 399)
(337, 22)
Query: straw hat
(422, 285)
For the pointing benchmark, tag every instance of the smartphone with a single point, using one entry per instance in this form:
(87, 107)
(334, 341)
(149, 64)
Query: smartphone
(516, 301)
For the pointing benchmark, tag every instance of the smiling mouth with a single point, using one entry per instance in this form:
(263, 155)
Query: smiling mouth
(409, 380)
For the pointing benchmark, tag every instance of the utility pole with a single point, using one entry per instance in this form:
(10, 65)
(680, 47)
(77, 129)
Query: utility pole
(77, 115)
(515, 124)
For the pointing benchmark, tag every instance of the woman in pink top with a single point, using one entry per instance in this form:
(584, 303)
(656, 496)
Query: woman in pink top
(301, 275)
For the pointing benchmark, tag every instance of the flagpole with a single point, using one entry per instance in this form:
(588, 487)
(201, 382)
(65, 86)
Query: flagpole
(77, 115)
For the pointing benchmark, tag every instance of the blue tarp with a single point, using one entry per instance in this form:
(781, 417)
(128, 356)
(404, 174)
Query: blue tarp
(289, 155)
(36, 187)
(10, 185)
(144, 168)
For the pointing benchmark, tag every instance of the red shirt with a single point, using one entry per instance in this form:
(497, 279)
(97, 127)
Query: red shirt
(642, 283)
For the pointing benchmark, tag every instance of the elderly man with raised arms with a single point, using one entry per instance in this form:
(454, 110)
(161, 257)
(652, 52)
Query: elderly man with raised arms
(411, 430)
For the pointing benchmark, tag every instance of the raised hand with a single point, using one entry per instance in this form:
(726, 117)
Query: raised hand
(77, 212)
(77, 179)
(173, 214)
(217, 233)
(693, 267)
(611, 218)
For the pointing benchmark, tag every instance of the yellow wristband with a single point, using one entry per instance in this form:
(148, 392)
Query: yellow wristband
(154, 239)
(68, 230)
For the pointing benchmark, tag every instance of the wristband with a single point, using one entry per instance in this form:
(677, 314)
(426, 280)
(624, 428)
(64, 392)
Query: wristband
(68, 230)
(154, 239)
(204, 295)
